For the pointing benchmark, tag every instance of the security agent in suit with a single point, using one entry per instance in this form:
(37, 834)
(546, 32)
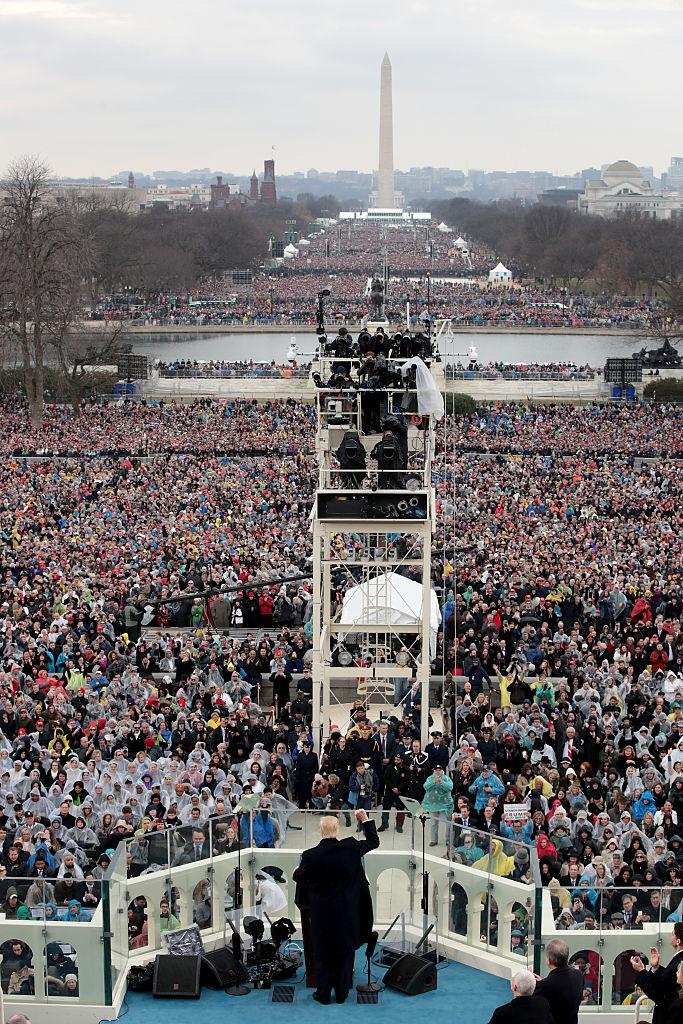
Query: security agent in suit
(331, 885)
(525, 1008)
(660, 983)
(563, 986)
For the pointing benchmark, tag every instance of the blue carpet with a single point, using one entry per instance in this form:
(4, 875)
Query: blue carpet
(470, 994)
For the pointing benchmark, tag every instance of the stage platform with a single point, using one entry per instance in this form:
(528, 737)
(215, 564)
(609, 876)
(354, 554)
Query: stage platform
(462, 994)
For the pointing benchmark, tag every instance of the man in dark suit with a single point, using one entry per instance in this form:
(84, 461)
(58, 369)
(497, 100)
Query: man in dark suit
(437, 752)
(525, 1008)
(563, 987)
(660, 984)
(198, 848)
(331, 885)
(384, 755)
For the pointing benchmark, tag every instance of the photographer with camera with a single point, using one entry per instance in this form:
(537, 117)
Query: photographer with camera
(362, 785)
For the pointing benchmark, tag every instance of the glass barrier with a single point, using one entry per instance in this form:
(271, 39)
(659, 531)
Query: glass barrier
(115, 920)
(606, 926)
(66, 938)
(483, 865)
(470, 902)
(53, 942)
(61, 898)
(286, 826)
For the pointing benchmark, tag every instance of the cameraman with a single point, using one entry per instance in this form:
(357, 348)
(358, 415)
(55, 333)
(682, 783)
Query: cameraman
(391, 453)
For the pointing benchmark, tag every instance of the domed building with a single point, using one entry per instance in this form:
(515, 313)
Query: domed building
(621, 171)
(623, 189)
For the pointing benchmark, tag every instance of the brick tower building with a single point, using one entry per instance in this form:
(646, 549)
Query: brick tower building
(268, 190)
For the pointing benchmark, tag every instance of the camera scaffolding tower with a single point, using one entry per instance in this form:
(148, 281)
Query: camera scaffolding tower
(375, 615)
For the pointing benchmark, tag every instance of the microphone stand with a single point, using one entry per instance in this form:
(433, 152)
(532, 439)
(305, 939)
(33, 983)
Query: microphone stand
(414, 808)
(236, 989)
(370, 985)
(247, 803)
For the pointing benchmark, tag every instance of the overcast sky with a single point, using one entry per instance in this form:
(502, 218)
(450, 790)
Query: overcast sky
(96, 86)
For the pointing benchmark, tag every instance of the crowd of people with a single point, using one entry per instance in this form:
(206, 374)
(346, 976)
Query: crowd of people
(288, 296)
(230, 368)
(133, 429)
(343, 259)
(557, 551)
(520, 371)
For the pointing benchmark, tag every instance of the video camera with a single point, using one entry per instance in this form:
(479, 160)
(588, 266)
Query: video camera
(266, 962)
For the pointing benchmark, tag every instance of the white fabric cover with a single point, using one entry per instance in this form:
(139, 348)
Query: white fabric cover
(390, 599)
(429, 398)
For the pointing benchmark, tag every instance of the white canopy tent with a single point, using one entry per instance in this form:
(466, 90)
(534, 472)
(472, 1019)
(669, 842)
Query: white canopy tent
(390, 599)
(460, 242)
(290, 251)
(444, 228)
(500, 273)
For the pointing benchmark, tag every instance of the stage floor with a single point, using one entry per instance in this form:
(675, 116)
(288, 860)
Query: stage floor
(462, 994)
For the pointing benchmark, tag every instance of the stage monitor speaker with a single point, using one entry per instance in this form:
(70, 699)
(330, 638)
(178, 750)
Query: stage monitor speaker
(412, 975)
(220, 969)
(177, 977)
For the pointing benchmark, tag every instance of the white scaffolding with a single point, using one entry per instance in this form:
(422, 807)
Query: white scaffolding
(375, 614)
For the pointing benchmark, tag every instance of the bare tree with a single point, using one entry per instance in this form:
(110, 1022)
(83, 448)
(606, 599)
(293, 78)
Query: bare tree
(112, 228)
(41, 267)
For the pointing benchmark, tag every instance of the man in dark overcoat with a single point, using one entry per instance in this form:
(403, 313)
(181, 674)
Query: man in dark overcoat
(331, 885)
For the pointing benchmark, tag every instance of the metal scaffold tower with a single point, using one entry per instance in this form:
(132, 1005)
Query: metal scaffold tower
(375, 615)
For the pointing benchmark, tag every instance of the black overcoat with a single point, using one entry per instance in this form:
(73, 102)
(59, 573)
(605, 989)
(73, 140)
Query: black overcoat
(331, 885)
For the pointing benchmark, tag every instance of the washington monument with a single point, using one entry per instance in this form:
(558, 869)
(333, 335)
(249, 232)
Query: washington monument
(385, 176)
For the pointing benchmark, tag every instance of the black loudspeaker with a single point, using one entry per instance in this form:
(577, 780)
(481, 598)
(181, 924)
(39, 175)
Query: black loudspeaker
(412, 975)
(177, 977)
(220, 969)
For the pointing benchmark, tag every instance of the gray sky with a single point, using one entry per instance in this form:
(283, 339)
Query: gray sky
(95, 86)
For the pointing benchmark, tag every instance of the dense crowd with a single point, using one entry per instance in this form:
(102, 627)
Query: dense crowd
(519, 371)
(289, 297)
(199, 428)
(558, 554)
(345, 259)
(634, 430)
(229, 368)
(418, 249)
